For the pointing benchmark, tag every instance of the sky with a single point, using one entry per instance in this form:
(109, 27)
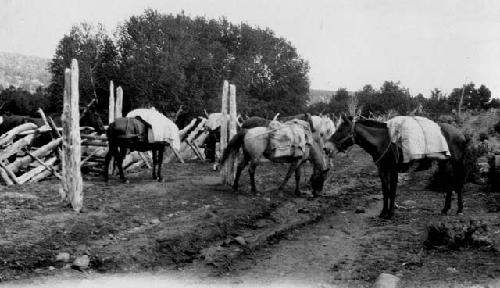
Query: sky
(423, 44)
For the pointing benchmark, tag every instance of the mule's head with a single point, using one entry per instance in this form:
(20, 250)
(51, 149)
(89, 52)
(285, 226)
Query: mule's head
(326, 128)
(320, 167)
(343, 137)
(94, 120)
(317, 179)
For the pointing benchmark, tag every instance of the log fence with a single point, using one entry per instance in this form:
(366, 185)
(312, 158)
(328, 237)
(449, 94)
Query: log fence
(22, 162)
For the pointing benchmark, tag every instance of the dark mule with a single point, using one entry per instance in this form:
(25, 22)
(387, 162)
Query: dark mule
(90, 119)
(255, 142)
(373, 137)
(132, 133)
(12, 121)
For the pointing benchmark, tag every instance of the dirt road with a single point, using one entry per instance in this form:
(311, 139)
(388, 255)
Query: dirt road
(192, 231)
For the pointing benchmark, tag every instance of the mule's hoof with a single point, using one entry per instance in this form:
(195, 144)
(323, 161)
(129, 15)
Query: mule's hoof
(385, 215)
(315, 194)
(125, 181)
(460, 213)
(444, 212)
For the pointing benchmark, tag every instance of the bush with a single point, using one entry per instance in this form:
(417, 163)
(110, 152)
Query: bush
(497, 127)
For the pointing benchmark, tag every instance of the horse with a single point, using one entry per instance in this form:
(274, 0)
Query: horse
(373, 136)
(131, 133)
(255, 141)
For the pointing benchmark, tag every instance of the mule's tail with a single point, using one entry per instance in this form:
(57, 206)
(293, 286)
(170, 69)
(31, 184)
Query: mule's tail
(233, 146)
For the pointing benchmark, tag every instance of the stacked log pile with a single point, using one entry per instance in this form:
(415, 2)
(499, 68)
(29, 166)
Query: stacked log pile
(22, 162)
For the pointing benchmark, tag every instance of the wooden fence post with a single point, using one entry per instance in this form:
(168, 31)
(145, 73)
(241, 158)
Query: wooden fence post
(119, 102)
(72, 184)
(223, 127)
(233, 163)
(232, 111)
(111, 106)
(227, 170)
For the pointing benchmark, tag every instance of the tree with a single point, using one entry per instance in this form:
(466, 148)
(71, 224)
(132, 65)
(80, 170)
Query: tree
(168, 61)
(437, 104)
(390, 97)
(18, 101)
(473, 98)
(484, 96)
(495, 103)
(338, 103)
(366, 97)
(97, 60)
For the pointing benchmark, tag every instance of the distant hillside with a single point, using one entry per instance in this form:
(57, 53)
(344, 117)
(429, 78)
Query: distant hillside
(316, 95)
(21, 71)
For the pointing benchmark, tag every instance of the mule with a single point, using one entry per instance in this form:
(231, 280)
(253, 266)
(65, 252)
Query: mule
(255, 143)
(322, 127)
(373, 136)
(131, 133)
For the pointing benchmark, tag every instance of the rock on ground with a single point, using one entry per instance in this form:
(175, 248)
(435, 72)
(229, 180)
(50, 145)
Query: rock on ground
(385, 280)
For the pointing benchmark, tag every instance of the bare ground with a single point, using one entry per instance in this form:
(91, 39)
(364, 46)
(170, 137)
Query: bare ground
(192, 225)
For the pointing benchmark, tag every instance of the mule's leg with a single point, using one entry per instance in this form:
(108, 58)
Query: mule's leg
(384, 179)
(251, 171)
(154, 155)
(460, 202)
(113, 151)
(297, 178)
(159, 160)
(447, 202)
(107, 159)
(239, 169)
(442, 165)
(119, 160)
(292, 168)
(393, 186)
(459, 185)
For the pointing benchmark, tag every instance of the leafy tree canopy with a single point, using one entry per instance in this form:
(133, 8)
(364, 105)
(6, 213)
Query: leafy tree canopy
(97, 63)
(168, 61)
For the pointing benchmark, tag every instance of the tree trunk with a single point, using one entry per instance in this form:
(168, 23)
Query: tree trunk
(40, 153)
(35, 171)
(16, 147)
(9, 135)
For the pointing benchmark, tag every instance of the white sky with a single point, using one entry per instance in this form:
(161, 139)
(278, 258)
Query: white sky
(424, 44)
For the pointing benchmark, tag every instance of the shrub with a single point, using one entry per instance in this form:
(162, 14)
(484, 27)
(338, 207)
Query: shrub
(497, 127)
